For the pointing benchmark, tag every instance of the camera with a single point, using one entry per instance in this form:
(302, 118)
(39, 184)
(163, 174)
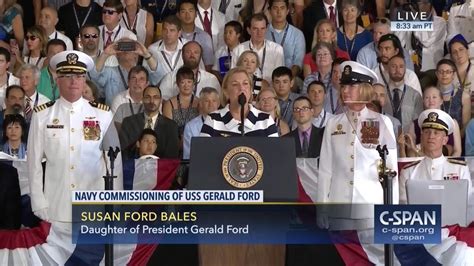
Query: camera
(126, 46)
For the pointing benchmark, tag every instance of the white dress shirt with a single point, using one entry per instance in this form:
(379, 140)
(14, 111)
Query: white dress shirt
(217, 20)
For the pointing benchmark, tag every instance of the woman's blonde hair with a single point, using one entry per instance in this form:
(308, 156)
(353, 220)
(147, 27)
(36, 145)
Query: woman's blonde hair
(316, 28)
(367, 93)
(277, 106)
(240, 61)
(233, 71)
(39, 32)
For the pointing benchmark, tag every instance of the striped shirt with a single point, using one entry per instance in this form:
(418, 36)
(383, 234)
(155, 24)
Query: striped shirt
(221, 124)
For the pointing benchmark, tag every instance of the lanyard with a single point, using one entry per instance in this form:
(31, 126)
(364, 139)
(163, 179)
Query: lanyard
(53, 83)
(383, 76)
(324, 119)
(175, 60)
(171, 6)
(463, 83)
(122, 77)
(115, 37)
(37, 61)
(450, 101)
(8, 78)
(262, 63)
(132, 27)
(223, 5)
(286, 108)
(353, 40)
(197, 80)
(130, 105)
(36, 100)
(401, 98)
(284, 35)
(79, 25)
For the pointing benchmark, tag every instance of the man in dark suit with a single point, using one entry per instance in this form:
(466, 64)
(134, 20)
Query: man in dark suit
(320, 9)
(10, 203)
(307, 137)
(165, 128)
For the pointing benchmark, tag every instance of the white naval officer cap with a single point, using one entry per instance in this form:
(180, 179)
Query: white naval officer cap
(436, 119)
(354, 72)
(71, 62)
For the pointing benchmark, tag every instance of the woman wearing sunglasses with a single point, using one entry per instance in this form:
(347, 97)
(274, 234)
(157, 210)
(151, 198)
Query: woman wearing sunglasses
(36, 41)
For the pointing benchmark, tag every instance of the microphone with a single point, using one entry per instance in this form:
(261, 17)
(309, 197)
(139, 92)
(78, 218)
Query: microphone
(242, 101)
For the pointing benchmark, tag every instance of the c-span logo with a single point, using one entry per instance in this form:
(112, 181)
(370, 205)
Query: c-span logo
(242, 167)
(407, 224)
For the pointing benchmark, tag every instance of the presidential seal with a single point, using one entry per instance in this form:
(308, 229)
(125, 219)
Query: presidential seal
(242, 167)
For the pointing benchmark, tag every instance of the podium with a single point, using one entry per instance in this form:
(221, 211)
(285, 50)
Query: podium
(247, 163)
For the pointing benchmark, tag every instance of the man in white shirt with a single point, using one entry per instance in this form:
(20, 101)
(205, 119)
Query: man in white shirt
(389, 46)
(192, 53)
(6, 78)
(270, 54)
(29, 79)
(435, 126)
(137, 82)
(211, 21)
(48, 19)
(111, 31)
(168, 50)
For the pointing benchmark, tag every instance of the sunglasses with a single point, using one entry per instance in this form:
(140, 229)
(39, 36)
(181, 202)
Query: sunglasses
(88, 36)
(382, 20)
(108, 11)
(31, 38)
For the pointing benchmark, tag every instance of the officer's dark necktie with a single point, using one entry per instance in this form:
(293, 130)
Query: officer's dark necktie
(305, 146)
(397, 110)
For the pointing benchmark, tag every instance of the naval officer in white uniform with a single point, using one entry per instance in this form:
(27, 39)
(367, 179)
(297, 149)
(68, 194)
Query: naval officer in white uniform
(436, 125)
(71, 134)
(348, 168)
